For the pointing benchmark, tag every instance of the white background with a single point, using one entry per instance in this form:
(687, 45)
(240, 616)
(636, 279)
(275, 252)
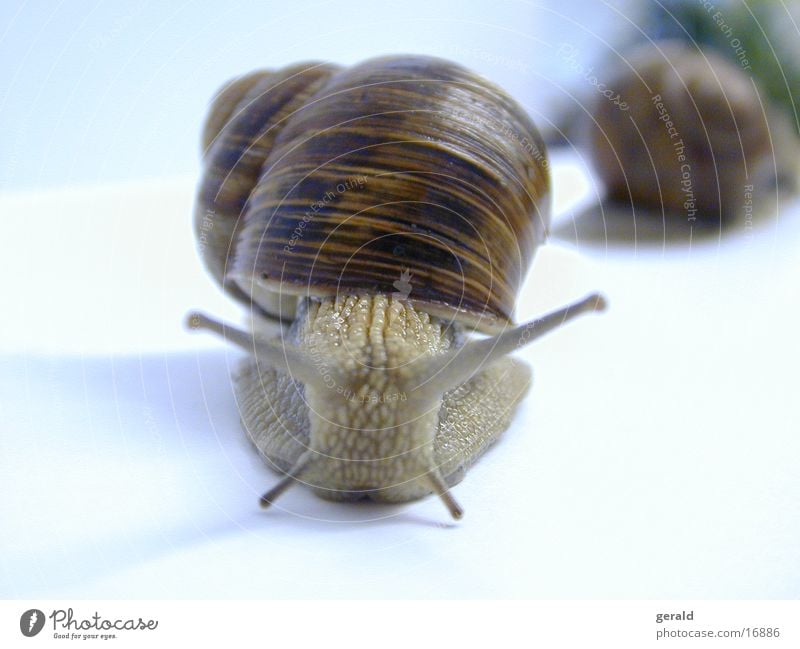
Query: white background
(400, 624)
(656, 456)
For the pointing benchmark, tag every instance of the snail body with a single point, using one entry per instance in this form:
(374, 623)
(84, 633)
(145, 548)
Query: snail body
(384, 211)
(379, 432)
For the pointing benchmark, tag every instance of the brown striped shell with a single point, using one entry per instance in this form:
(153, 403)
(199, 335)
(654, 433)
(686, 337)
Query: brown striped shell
(402, 175)
(691, 138)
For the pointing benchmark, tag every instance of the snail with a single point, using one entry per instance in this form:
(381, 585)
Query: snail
(384, 212)
(690, 133)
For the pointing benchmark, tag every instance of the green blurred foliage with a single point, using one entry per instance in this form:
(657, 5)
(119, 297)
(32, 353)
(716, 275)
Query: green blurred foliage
(762, 37)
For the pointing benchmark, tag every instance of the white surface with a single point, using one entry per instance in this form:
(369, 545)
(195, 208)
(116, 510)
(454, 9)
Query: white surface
(656, 456)
(95, 92)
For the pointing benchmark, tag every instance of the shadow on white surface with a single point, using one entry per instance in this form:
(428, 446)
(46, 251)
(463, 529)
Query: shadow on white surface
(121, 461)
(655, 457)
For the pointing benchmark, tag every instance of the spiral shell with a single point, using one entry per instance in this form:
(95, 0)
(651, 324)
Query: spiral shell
(404, 175)
(687, 133)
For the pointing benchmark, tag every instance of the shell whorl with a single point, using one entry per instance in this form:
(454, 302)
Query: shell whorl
(401, 174)
(693, 134)
(243, 122)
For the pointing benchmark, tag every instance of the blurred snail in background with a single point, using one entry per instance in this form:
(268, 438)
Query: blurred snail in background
(693, 136)
(384, 211)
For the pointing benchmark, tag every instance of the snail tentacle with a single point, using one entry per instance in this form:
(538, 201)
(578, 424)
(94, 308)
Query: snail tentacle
(441, 489)
(292, 476)
(293, 361)
(455, 367)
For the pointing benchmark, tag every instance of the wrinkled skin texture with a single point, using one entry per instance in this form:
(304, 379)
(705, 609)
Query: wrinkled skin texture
(375, 437)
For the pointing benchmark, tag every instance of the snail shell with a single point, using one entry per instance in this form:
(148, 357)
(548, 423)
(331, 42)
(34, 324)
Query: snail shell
(691, 134)
(385, 210)
(320, 180)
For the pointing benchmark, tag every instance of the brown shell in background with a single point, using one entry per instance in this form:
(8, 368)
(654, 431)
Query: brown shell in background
(716, 115)
(404, 175)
